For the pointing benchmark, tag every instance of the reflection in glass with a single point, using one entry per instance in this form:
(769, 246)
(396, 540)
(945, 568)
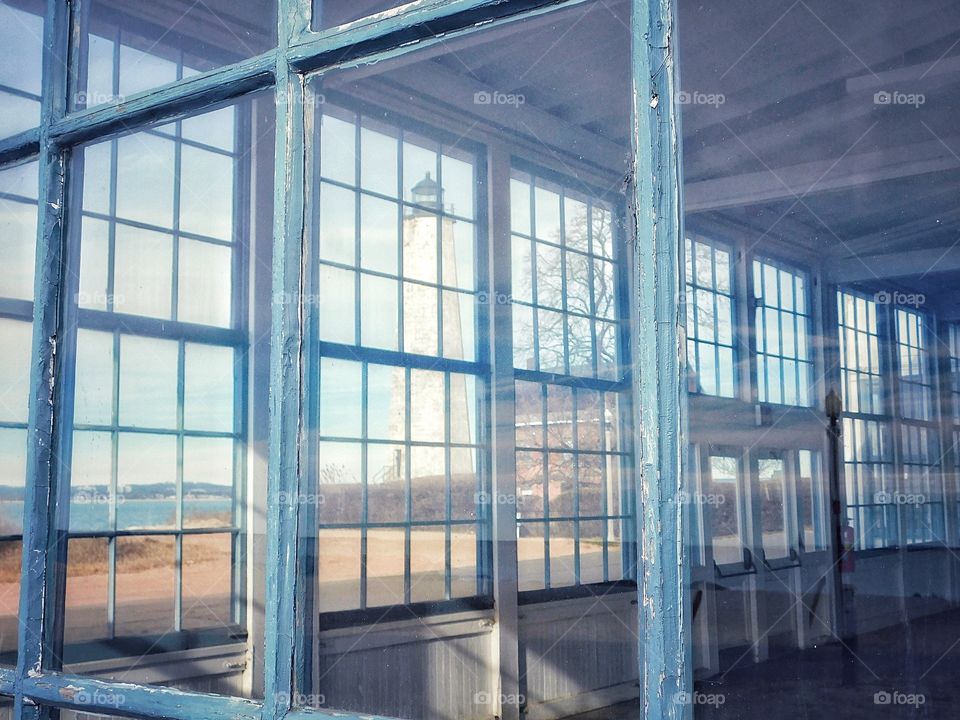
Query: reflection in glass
(167, 449)
(21, 35)
(18, 227)
(331, 13)
(838, 270)
(772, 511)
(143, 47)
(724, 488)
(429, 175)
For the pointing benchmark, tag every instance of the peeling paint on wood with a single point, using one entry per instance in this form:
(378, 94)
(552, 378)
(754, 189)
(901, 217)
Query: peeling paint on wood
(665, 669)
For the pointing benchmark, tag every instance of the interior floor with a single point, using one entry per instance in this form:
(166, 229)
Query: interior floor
(903, 671)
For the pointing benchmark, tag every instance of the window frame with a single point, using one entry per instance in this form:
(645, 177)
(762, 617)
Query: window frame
(35, 683)
(478, 368)
(894, 425)
(716, 244)
(531, 172)
(804, 379)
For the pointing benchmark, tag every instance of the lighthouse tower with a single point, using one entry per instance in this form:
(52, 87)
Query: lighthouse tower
(431, 317)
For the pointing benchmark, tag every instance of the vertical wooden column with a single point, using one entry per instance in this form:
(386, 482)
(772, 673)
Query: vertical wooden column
(39, 565)
(663, 570)
(281, 660)
(504, 488)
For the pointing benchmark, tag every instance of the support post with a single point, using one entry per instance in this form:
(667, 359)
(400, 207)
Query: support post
(666, 680)
(503, 395)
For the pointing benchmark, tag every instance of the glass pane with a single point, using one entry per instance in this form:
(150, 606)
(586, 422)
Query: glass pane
(148, 382)
(341, 402)
(207, 580)
(17, 338)
(18, 223)
(723, 487)
(87, 589)
(340, 489)
(339, 562)
(208, 387)
(401, 199)
(146, 480)
(772, 509)
(168, 353)
(145, 582)
(18, 218)
(822, 263)
(120, 54)
(208, 482)
(204, 284)
(11, 553)
(21, 36)
(331, 13)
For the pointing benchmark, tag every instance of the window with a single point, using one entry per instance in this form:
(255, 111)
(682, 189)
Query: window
(728, 536)
(784, 364)
(120, 52)
(863, 384)
(18, 232)
(565, 289)
(571, 500)
(710, 322)
(161, 267)
(921, 493)
(867, 450)
(812, 502)
(21, 33)
(914, 375)
(275, 309)
(400, 454)
(570, 461)
(396, 239)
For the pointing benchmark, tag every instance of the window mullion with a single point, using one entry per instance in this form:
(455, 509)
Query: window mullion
(503, 495)
(665, 665)
(38, 587)
(282, 643)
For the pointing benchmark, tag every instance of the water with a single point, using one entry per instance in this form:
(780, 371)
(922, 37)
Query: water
(146, 513)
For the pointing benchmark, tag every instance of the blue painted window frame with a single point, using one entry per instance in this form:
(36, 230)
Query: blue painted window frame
(476, 365)
(612, 386)
(665, 668)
